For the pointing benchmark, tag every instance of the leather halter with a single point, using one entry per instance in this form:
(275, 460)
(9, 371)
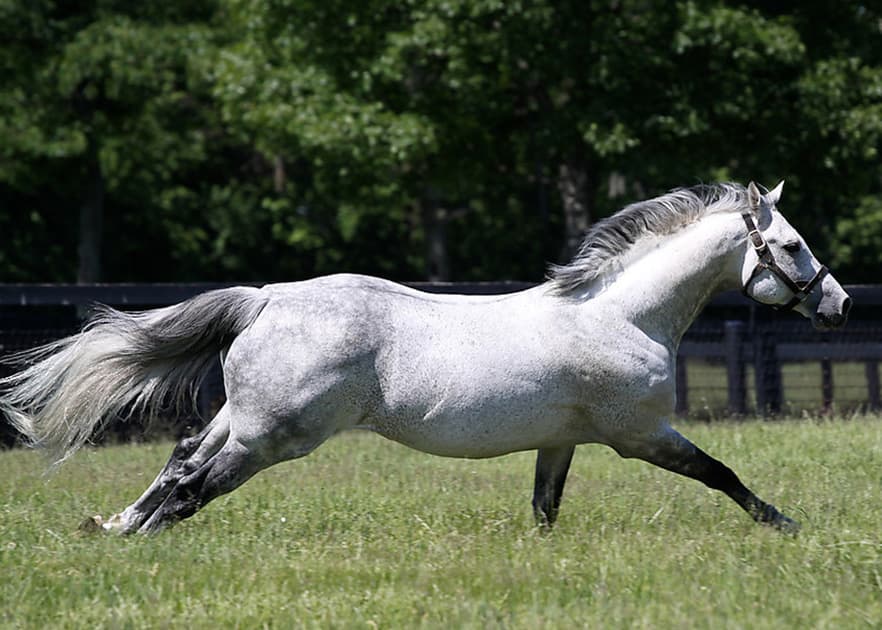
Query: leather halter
(766, 261)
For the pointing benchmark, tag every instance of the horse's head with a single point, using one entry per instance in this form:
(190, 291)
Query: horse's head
(779, 268)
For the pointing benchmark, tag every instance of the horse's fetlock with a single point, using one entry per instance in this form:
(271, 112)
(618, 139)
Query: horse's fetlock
(768, 514)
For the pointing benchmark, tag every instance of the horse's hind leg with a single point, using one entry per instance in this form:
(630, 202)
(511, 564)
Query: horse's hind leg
(552, 465)
(251, 445)
(227, 469)
(235, 463)
(188, 455)
(672, 451)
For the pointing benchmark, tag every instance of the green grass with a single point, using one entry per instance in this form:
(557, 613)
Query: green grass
(368, 534)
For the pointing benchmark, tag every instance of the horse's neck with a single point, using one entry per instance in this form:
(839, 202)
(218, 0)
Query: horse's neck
(664, 290)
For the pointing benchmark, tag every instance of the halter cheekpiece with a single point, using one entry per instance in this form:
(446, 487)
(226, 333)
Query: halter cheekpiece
(766, 260)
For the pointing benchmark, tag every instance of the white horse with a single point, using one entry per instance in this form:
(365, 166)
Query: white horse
(588, 356)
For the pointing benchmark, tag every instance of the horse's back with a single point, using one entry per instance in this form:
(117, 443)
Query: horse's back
(403, 362)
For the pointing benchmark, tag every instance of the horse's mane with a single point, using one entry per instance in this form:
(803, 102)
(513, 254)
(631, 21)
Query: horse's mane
(609, 239)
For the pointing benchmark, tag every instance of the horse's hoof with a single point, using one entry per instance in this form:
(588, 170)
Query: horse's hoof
(787, 525)
(92, 525)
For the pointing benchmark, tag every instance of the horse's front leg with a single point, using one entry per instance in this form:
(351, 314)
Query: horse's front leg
(671, 451)
(552, 465)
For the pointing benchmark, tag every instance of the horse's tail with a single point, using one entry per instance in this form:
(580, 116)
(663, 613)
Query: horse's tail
(121, 364)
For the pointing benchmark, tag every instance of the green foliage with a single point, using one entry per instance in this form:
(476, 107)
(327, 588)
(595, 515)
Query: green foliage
(365, 532)
(281, 139)
(858, 240)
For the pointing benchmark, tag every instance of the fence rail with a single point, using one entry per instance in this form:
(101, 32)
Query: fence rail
(767, 349)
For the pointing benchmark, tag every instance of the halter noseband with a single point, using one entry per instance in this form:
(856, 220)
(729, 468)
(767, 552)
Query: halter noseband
(766, 260)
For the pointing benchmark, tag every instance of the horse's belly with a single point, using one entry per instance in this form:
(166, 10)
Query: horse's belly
(477, 440)
(460, 430)
(488, 399)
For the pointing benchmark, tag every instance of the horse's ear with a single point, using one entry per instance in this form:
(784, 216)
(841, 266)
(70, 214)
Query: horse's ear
(775, 194)
(754, 197)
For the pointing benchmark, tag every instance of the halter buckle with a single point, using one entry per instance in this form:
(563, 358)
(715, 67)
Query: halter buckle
(759, 243)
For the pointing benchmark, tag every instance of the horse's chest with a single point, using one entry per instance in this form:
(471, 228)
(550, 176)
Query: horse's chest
(630, 380)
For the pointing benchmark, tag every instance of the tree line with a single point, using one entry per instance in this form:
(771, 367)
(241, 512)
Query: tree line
(417, 139)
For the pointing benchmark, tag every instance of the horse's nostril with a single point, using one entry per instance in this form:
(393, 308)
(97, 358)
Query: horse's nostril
(846, 306)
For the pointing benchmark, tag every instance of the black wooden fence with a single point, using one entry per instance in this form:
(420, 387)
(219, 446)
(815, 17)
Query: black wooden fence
(738, 358)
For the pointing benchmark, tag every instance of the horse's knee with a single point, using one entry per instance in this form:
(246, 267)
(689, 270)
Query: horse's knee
(662, 443)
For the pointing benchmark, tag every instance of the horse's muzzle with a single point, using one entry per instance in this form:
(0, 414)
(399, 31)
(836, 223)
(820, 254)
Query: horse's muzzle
(834, 318)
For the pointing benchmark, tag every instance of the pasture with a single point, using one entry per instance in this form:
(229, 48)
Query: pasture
(365, 533)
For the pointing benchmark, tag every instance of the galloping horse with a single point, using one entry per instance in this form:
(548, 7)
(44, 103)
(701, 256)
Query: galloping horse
(588, 356)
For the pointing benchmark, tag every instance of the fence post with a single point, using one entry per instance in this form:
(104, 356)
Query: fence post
(211, 395)
(871, 369)
(681, 404)
(733, 337)
(767, 373)
(826, 385)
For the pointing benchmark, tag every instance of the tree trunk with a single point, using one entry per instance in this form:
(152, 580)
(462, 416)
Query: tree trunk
(279, 176)
(91, 223)
(573, 185)
(434, 227)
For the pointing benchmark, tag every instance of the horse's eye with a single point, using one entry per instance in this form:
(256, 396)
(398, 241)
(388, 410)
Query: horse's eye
(792, 246)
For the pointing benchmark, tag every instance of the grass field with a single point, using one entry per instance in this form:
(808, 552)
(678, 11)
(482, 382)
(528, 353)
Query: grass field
(368, 534)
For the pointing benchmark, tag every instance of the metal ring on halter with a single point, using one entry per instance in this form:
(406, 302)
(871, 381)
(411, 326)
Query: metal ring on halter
(766, 261)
